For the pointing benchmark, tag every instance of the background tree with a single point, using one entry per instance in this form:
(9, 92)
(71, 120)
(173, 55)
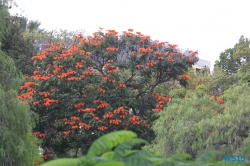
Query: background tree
(85, 91)
(216, 82)
(200, 122)
(228, 62)
(232, 59)
(21, 38)
(18, 146)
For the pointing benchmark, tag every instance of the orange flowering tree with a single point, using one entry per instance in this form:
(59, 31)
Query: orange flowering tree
(102, 83)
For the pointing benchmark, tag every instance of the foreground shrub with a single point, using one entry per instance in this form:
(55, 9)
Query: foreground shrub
(114, 149)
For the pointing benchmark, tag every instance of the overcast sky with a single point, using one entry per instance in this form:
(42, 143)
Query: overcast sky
(209, 26)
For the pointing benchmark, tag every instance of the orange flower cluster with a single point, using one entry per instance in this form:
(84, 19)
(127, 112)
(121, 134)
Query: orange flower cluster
(103, 105)
(108, 79)
(75, 118)
(48, 102)
(111, 32)
(102, 128)
(173, 46)
(219, 100)
(101, 90)
(170, 59)
(22, 87)
(122, 85)
(87, 73)
(45, 157)
(36, 102)
(145, 50)
(87, 110)
(157, 45)
(57, 69)
(159, 98)
(68, 73)
(139, 56)
(75, 127)
(139, 66)
(160, 58)
(115, 122)
(45, 94)
(29, 84)
(120, 111)
(135, 120)
(185, 77)
(190, 60)
(79, 65)
(81, 104)
(112, 49)
(40, 77)
(39, 135)
(108, 115)
(193, 52)
(67, 132)
(110, 61)
(128, 34)
(27, 95)
(75, 78)
(69, 123)
(113, 71)
(151, 63)
(160, 104)
(41, 56)
(85, 126)
(210, 133)
(147, 126)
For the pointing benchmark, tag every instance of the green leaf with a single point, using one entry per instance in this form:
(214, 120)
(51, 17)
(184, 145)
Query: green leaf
(206, 155)
(140, 161)
(63, 162)
(135, 153)
(111, 163)
(109, 141)
(126, 145)
(180, 157)
(108, 155)
(246, 151)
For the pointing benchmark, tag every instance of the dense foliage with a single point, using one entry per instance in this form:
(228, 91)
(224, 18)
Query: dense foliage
(87, 90)
(114, 149)
(197, 122)
(17, 143)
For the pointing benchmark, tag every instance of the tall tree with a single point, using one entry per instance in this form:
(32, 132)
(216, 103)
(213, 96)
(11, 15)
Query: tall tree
(232, 59)
(18, 146)
(102, 83)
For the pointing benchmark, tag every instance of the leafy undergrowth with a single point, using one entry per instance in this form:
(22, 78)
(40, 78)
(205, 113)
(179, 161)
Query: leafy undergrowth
(101, 154)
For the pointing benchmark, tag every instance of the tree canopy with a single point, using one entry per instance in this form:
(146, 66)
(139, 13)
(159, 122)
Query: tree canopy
(102, 83)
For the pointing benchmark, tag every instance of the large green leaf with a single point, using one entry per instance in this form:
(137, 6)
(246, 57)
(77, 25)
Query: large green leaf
(135, 153)
(63, 162)
(206, 155)
(246, 151)
(179, 157)
(108, 155)
(126, 145)
(111, 163)
(109, 141)
(140, 161)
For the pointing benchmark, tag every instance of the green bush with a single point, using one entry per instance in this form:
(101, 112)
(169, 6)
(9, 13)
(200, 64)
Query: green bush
(18, 146)
(197, 122)
(101, 154)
